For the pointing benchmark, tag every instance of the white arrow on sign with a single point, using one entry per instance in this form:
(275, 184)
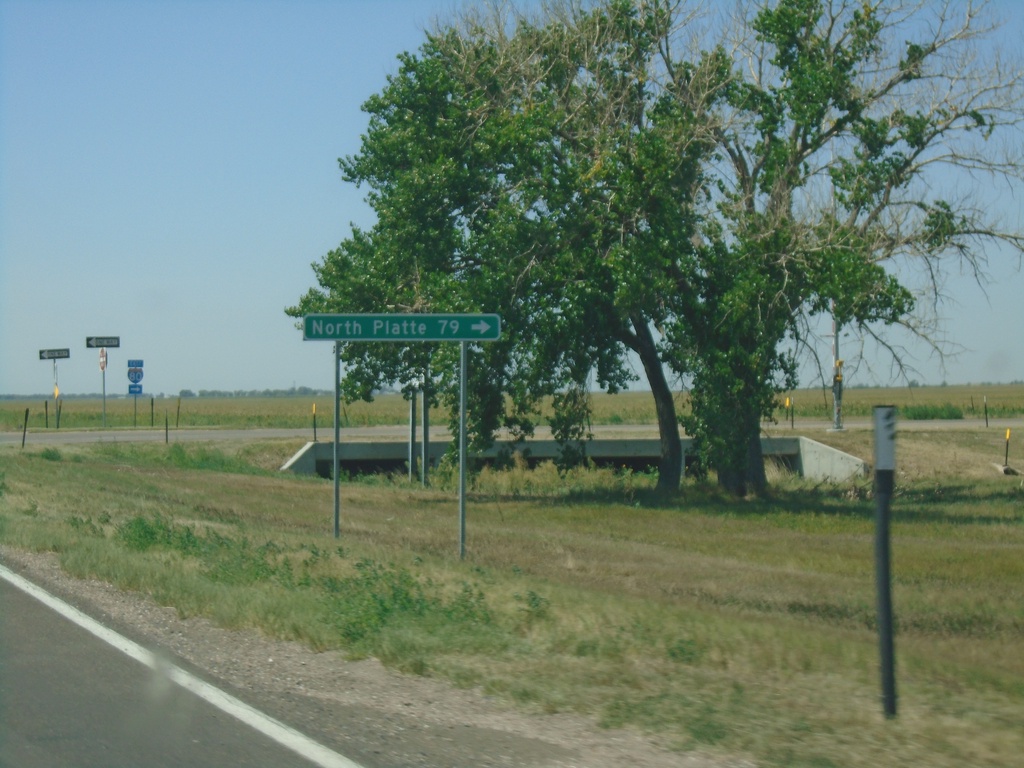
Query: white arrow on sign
(102, 341)
(482, 326)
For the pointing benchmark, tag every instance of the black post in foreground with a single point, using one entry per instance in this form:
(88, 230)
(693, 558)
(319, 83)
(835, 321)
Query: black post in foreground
(885, 481)
(24, 429)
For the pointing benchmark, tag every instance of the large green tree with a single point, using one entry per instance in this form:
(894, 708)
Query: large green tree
(850, 138)
(616, 187)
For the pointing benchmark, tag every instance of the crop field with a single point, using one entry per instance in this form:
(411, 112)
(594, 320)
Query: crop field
(966, 402)
(743, 628)
(204, 412)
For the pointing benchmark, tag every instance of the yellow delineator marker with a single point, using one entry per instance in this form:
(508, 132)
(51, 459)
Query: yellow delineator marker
(1006, 456)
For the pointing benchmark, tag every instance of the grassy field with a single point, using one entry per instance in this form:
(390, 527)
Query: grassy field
(733, 627)
(970, 402)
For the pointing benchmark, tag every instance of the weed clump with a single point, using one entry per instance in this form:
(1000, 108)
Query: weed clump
(142, 534)
(378, 597)
(206, 458)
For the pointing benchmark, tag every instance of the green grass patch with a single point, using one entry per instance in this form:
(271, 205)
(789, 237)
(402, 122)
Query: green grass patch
(207, 458)
(925, 412)
(742, 628)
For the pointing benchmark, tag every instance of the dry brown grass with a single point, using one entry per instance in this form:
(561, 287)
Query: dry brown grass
(637, 408)
(936, 455)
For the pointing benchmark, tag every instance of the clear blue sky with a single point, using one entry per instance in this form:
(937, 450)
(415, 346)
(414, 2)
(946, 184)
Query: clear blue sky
(168, 172)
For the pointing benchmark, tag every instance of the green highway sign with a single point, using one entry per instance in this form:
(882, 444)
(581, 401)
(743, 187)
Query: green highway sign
(401, 327)
(92, 342)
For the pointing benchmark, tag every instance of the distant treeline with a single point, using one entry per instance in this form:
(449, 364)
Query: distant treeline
(914, 384)
(292, 392)
(308, 391)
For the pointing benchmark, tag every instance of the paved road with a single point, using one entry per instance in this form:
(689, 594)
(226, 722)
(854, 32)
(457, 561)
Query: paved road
(804, 426)
(68, 437)
(69, 699)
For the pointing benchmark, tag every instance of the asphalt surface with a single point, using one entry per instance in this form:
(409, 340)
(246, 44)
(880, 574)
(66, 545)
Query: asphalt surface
(145, 435)
(805, 427)
(70, 699)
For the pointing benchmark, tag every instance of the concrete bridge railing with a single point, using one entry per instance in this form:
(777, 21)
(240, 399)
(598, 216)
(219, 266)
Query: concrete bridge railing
(807, 458)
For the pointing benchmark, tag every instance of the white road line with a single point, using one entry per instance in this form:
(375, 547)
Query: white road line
(283, 734)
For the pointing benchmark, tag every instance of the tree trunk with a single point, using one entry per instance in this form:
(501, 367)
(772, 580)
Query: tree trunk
(757, 481)
(742, 471)
(670, 466)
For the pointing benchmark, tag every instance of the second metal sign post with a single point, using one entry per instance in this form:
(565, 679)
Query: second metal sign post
(101, 343)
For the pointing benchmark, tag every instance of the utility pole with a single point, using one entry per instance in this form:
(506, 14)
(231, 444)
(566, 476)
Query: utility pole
(837, 378)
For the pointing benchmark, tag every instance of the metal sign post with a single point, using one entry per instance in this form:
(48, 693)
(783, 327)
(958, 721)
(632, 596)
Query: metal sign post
(135, 374)
(55, 355)
(885, 483)
(462, 451)
(425, 446)
(102, 342)
(103, 373)
(337, 439)
(463, 328)
(412, 436)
